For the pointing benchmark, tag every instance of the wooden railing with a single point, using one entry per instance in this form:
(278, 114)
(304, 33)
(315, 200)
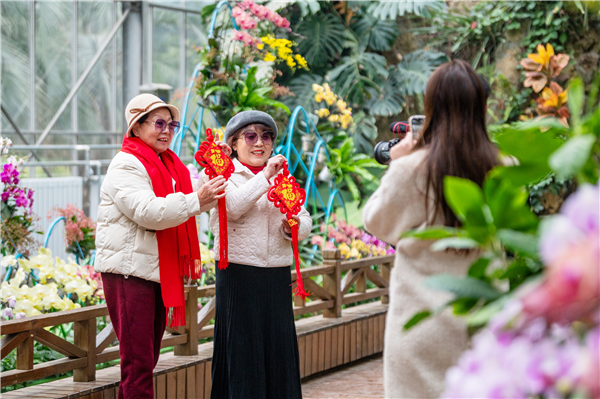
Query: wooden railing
(89, 348)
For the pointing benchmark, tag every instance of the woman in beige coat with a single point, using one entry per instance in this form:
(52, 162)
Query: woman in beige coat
(453, 142)
(255, 344)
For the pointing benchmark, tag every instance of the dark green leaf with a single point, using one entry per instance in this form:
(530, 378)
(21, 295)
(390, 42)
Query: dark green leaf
(465, 198)
(478, 268)
(527, 244)
(416, 319)
(572, 156)
(433, 233)
(463, 287)
(454, 242)
(323, 39)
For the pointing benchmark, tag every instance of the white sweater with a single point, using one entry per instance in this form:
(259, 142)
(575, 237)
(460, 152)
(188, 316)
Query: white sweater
(256, 235)
(415, 361)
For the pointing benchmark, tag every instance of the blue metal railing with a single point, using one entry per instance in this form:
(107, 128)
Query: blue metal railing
(288, 149)
(78, 257)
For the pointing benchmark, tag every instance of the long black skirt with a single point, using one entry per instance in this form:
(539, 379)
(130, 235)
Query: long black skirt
(255, 345)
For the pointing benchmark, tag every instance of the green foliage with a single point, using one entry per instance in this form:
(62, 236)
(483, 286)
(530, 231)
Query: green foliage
(358, 72)
(390, 100)
(378, 35)
(416, 319)
(531, 147)
(364, 132)
(413, 72)
(349, 167)
(243, 94)
(463, 287)
(323, 39)
(390, 9)
(475, 33)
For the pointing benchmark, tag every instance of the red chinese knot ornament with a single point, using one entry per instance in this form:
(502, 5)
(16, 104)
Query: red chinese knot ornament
(288, 196)
(217, 163)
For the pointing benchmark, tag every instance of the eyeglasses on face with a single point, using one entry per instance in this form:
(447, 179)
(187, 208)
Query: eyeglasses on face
(252, 138)
(160, 124)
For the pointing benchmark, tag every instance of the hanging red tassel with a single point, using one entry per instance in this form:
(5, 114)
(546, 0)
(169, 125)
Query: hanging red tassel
(288, 196)
(224, 240)
(299, 283)
(217, 163)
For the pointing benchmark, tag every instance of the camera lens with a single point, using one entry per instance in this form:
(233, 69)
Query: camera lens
(381, 152)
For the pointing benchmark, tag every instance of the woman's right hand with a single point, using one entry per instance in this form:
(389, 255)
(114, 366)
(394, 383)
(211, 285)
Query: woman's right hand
(274, 165)
(212, 190)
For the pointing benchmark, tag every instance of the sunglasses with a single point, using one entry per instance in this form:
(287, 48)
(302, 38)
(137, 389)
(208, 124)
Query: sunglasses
(160, 124)
(252, 138)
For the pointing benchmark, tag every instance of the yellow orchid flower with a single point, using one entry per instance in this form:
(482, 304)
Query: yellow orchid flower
(323, 113)
(270, 57)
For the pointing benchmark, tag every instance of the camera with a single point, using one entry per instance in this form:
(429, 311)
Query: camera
(415, 123)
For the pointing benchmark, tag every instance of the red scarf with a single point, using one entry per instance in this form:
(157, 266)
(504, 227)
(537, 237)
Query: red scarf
(253, 169)
(178, 247)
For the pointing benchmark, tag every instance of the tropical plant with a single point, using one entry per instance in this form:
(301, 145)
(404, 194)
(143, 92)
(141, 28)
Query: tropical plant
(377, 34)
(390, 9)
(350, 167)
(357, 73)
(239, 93)
(413, 72)
(542, 67)
(323, 37)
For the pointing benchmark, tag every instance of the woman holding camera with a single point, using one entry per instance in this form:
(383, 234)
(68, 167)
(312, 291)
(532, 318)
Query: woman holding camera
(453, 142)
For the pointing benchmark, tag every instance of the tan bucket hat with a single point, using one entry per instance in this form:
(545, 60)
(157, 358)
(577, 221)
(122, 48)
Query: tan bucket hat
(143, 104)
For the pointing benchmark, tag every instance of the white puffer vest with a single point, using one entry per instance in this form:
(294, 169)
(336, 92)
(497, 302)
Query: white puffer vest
(129, 215)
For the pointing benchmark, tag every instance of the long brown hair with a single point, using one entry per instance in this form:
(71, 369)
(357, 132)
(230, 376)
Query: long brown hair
(455, 132)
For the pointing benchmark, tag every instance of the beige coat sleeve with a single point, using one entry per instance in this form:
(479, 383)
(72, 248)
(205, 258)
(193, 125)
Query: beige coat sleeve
(398, 205)
(131, 190)
(304, 228)
(241, 199)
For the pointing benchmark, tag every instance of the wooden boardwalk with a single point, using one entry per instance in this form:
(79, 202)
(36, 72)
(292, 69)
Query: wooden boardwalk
(360, 380)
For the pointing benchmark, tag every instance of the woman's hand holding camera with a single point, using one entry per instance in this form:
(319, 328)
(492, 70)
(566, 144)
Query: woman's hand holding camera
(212, 190)
(404, 147)
(274, 165)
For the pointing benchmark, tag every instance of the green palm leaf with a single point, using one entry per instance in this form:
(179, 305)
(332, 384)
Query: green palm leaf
(358, 73)
(413, 72)
(324, 39)
(379, 35)
(390, 9)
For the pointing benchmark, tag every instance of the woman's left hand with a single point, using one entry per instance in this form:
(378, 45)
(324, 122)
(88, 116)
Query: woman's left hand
(226, 149)
(286, 226)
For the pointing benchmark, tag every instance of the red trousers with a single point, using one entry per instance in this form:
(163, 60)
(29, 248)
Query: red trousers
(138, 316)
